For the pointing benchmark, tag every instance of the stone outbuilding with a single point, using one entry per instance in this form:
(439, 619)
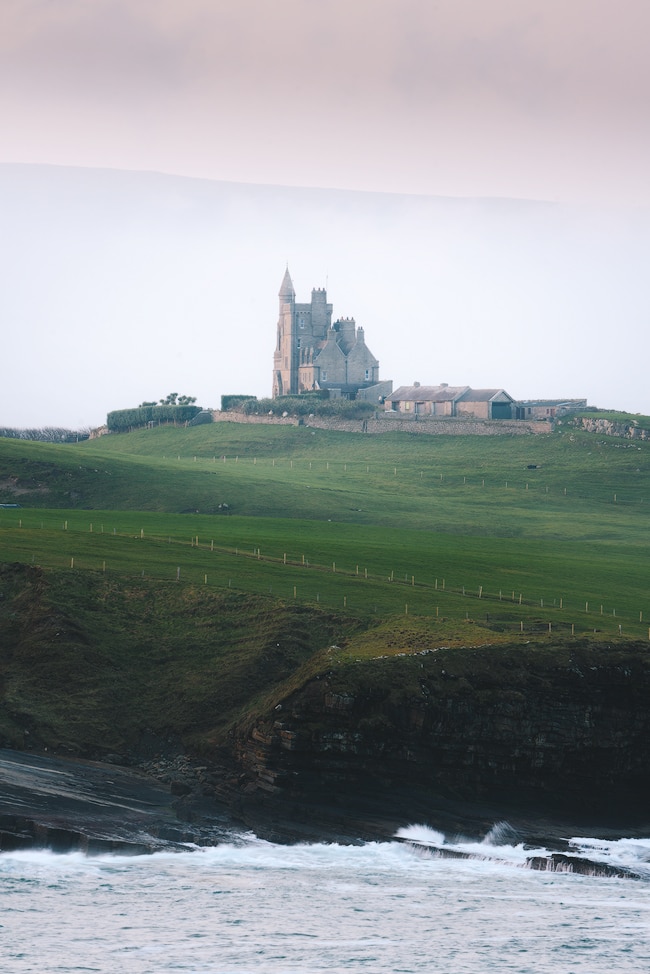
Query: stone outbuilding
(445, 400)
(548, 408)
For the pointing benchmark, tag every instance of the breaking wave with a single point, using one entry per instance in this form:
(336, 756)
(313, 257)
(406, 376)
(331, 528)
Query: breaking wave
(623, 857)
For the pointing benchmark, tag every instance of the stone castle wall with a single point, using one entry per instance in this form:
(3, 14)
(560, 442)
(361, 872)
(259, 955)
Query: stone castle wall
(384, 423)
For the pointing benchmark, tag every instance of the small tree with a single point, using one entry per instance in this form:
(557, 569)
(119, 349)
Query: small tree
(173, 399)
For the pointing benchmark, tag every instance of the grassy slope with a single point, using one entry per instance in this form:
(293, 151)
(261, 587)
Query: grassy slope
(426, 512)
(88, 663)
(411, 507)
(392, 478)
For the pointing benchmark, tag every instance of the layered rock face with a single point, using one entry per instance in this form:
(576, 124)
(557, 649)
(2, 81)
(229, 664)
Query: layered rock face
(565, 730)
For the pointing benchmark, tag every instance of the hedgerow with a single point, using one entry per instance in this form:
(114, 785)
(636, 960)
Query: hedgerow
(122, 420)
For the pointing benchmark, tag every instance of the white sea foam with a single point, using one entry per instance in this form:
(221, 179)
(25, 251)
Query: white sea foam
(500, 845)
(252, 906)
(492, 848)
(422, 834)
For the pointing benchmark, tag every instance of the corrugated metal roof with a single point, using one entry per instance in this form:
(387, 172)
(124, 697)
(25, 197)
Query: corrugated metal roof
(553, 402)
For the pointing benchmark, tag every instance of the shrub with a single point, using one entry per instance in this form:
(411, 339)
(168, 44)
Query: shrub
(234, 402)
(46, 434)
(121, 420)
(307, 404)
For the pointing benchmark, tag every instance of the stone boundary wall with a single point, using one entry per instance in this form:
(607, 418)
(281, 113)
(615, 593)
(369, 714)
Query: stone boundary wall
(609, 428)
(387, 424)
(234, 417)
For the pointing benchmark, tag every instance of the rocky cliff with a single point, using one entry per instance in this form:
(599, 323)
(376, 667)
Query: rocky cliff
(560, 730)
(252, 706)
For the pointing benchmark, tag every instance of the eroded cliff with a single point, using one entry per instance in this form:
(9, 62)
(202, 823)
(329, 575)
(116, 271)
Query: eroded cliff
(563, 729)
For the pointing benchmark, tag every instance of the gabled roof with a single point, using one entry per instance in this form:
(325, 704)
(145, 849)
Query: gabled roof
(447, 394)
(427, 393)
(484, 395)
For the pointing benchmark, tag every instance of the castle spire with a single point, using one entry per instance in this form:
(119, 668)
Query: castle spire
(286, 288)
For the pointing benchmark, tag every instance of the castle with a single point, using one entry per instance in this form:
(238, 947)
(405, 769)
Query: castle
(311, 353)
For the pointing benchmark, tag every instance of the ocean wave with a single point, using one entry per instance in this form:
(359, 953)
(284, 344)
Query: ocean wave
(622, 857)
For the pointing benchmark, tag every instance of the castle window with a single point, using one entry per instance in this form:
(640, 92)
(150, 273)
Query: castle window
(301, 322)
(367, 374)
(323, 375)
(299, 341)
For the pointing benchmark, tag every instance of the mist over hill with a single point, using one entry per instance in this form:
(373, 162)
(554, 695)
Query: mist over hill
(120, 287)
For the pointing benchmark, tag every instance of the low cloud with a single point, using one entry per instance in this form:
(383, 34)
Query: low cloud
(410, 90)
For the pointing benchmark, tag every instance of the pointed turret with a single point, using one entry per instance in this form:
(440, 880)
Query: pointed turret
(286, 292)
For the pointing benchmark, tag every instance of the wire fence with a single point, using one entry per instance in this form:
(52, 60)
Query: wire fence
(357, 589)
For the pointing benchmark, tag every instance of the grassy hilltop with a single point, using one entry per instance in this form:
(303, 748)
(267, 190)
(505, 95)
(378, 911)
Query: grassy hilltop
(183, 580)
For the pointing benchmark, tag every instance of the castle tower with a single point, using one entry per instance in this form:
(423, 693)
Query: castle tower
(312, 354)
(286, 288)
(284, 357)
(301, 329)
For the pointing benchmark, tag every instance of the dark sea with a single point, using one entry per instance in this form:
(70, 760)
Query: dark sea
(395, 907)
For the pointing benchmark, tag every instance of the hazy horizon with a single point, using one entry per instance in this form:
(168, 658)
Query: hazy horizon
(470, 176)
(122, 287)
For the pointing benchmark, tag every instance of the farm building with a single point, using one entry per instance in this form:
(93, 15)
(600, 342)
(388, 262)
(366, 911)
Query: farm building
(548, 408)
(445, 400)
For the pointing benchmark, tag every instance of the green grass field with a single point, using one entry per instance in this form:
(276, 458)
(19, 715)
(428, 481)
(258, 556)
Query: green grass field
(509, 531)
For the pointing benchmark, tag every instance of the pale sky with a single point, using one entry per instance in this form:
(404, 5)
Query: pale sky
(541, 99)
(120, 287)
